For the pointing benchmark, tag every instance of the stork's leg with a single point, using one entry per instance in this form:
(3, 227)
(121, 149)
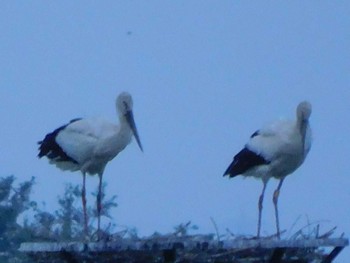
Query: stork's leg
(83, 197)
(99, 205)
(275, 202)
(260, 206)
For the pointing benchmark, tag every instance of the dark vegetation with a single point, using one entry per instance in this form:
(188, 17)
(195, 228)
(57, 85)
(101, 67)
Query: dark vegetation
(22, 219)
(57, 236)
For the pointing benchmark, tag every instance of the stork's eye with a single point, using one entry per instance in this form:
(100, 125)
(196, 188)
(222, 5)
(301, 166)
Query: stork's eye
(125, 105)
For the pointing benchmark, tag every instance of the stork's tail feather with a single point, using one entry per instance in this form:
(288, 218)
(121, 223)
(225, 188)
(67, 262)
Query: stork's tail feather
(243, 161)
(231, 171)
(51, 149)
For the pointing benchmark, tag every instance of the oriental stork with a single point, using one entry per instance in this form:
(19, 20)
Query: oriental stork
(275, 151)
(89, 144)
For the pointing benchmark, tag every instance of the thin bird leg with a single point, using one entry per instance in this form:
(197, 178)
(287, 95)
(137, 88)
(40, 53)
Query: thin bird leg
(275, 201)
(83, 197)
(260, 206)
(99, 205)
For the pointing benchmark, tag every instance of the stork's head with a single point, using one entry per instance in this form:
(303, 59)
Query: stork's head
(304, 110)
(124, 103)
(124, 107)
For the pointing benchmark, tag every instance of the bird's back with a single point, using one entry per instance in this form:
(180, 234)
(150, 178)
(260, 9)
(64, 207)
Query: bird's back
(74, 144)
(278, 145)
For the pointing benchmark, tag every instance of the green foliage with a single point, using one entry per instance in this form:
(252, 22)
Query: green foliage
(14, 200)
(183, 229)
(107, 204)
(64, 224)
(69, 217)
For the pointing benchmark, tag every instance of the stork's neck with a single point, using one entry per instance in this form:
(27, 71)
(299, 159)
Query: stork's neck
(121, 138)
(302, 126)
(125, 131)
(124, 126)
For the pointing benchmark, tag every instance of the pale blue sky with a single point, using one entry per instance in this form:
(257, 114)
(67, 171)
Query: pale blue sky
(204, 75)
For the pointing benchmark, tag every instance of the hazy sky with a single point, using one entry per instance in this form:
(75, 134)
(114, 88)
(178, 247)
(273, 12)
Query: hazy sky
(204, 75)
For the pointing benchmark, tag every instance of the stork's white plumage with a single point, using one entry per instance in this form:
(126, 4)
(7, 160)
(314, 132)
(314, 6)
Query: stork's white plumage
(276, 151)
(89, 144)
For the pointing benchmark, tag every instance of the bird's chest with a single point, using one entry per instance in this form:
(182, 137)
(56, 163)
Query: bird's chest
(285, 165)
(287, 160)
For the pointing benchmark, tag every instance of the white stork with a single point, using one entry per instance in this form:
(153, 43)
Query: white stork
(275, 151)
(89, 144)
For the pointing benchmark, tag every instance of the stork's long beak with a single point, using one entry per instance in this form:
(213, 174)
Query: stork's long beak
(130, 119)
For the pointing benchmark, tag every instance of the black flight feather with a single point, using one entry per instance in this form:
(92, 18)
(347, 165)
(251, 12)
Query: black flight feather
(51, 149)
(243, 161)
